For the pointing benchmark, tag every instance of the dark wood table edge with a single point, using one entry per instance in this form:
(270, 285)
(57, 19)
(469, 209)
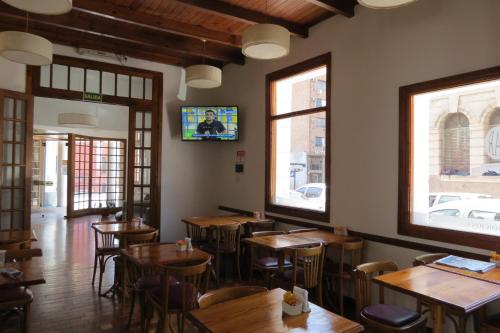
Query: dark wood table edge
(21, 283)
(462, 274)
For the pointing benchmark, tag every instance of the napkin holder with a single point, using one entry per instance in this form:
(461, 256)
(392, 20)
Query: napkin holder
(303, 295)
(189, 244)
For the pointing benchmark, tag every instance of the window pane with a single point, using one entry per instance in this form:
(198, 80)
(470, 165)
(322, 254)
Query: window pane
(299, 171)
(108, 83)
(148, 89)
(123, 85)
(60, 76)
(45, 76)
(93, 81)
(137, 87)
(456, 159)
(303, 91)
(76, 79)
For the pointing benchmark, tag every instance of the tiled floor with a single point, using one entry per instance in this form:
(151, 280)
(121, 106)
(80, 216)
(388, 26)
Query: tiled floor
(68, 302)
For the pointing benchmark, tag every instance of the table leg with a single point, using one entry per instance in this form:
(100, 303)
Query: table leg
(438, 313)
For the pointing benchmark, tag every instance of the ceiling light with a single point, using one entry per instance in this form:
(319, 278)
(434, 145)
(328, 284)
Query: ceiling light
(265, 41)
(77, 120)
(203, 76)
(384, 4)
(25, 48)
(47, 7)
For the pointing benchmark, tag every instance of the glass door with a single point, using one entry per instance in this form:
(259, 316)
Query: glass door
(16, 133)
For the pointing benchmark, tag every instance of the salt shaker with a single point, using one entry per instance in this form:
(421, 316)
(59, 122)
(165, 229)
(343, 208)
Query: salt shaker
(189, 244)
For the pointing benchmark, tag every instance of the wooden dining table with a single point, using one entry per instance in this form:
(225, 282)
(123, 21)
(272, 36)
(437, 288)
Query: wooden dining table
(17, 235)
(208, 221)
(300, 239)
(443, 289)
(122, 228)
(262, 312)
(32, 274)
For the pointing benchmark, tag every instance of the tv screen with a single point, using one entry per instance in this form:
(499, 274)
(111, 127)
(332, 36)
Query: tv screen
(209, 123)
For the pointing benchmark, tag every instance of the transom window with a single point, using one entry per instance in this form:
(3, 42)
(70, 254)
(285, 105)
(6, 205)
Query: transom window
(298, 139)
(450, 159)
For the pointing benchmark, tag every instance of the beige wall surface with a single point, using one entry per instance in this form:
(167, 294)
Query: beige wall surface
(373, 54)
(186, 182)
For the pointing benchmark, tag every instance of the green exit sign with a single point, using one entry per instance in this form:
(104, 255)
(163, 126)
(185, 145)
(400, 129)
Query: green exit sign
(94, 97)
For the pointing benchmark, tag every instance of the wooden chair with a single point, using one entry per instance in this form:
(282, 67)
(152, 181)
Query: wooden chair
(227, 294)
(264, 225)
(307, 272)
(226, 242)
(294, 231)
(19, 299)
(383, 317)
(265, 261)
(22, 255)
(458, 319)
(140, 238)
(105, 249)
(196, 234)
(179, 292)
(349, 256)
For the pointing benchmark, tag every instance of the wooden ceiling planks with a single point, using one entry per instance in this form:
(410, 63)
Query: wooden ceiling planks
(171, 31)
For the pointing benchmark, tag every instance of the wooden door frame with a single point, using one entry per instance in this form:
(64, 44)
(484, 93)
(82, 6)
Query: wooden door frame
(155, 104)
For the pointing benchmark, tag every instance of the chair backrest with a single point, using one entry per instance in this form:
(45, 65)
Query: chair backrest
(355, 250)
(228, 238)
(294, 231)
(140, 238)
(267, 233)
(22, 255)
(227, 294)
(309, 259)
(363, 274)
(192, 281)
(103, 240)
(428, 258)
(257, 226)
(194, 232)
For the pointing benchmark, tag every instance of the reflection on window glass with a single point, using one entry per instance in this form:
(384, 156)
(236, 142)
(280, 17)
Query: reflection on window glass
(456, 158)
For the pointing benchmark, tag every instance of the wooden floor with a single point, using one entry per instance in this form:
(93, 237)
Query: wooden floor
(68, 302)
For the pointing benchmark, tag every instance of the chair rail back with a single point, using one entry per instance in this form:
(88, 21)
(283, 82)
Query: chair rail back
(140, 238)
(227, 294)
(311, 261)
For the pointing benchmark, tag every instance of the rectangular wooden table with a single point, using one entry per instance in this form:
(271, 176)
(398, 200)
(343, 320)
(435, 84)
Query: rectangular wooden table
(207, 221)
(442, 289)
(14, 236)
(122, 228)
(280, 242)
(262, 313)
(32, 274)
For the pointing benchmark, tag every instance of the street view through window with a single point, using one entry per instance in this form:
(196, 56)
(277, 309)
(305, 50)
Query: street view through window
(456, 158)
(299, 140)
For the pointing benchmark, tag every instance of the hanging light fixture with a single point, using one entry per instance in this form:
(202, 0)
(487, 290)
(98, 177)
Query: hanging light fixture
(384, 4)
(25, 48)
(265, 41)
(203, 76)
(46, 7)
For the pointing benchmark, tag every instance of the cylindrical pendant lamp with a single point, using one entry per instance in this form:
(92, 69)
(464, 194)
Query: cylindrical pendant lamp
(46, 7)
(384, 4)
(265, 41)
(203, 76)
(25, 48)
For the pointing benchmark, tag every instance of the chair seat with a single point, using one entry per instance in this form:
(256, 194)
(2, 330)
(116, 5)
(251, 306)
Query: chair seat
(174, 295)
(389, 314)
(151, 282)
(21, 295)
(271, 263)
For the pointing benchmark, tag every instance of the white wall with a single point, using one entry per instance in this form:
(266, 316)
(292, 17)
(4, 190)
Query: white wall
(186, 168)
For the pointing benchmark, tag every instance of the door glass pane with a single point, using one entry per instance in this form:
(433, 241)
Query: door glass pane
(147, 120)
(137, 194)
(93, 81)
(148, 89)
(146, 176)
(138, 157)
(19, 154)
(147, 157)
(20, 132)
(137, 87)
(6, 199)
(138, 119)
(17, 221)
(123, 85)
(18, 199)
(7, 153)
(6, 176)
(18, 176)
(147, 139)
(76, 79)
(8, 130)
(137, 176)
(59, 76)
(108, 83)
(20, 109)
(138, 139)
(8, 108)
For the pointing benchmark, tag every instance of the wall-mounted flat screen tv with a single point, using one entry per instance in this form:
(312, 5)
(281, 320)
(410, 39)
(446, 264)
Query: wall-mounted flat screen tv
(209, 123)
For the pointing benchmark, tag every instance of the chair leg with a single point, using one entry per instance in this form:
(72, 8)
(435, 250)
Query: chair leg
(95, 268)
(26, 318)
(131, 312)
(341, 295)
(238, 266)
(217, 270)
(102, 267)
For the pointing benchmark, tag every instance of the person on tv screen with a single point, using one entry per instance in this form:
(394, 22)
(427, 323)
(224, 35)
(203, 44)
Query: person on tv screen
(210, 125)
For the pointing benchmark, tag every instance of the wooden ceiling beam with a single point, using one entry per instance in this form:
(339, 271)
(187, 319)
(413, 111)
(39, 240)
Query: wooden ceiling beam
(86, 22)
(342, 7)
(80, 39)
(247, 15)
(127, 15)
